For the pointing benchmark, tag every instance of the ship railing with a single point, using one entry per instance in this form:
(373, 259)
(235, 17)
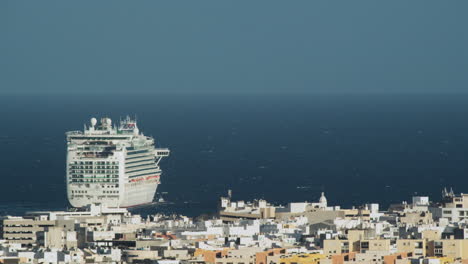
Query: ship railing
(92, 155)
(76, 132)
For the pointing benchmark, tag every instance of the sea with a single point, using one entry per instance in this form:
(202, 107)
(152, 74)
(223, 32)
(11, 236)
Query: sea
(357, 148)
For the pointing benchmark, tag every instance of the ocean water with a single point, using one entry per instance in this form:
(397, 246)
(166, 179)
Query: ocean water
(355, 148)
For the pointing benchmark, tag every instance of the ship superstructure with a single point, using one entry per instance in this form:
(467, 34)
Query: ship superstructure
(110, 164)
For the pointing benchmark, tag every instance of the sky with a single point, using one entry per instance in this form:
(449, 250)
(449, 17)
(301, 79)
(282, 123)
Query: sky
(226, 47)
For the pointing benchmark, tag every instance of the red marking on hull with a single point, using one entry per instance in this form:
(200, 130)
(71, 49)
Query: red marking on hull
(145, 179)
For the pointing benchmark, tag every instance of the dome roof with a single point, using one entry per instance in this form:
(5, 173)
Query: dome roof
(323, 199)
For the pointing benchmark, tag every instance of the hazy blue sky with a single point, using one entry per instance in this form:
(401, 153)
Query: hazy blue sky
(233, 46)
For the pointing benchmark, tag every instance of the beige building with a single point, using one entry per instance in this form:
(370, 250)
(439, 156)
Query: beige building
(40, 231)
(455, 248)
(25, 231)
(416, 218)
(431, 235)
(239, 256)
(374, 245)
(180, 254)
(335, 246)
(356, 235)
(60, 237)
(362, 214)
(370, 257)
(415, 246)
(140, 255)
(456, 201)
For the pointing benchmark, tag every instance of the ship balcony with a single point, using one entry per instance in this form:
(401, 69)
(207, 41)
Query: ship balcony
(144, 172)
(140, 164)
(139, 160)
(131, 157)
(141, 169)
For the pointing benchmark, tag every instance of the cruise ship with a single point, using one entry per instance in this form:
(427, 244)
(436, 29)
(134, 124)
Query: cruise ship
(115, 165)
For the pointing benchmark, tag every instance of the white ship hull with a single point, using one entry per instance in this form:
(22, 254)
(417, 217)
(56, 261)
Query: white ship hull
(139, 193)
(134, 194)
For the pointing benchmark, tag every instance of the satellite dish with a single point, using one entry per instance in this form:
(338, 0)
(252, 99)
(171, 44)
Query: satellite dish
(93, 121)
(108, 121)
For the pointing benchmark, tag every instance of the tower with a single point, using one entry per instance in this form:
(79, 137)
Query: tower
(323, 200)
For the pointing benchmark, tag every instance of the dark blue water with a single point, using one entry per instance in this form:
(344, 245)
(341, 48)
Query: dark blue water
(356, 148)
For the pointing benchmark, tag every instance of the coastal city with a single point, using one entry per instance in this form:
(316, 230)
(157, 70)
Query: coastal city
(233, 132)
(257, 232)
